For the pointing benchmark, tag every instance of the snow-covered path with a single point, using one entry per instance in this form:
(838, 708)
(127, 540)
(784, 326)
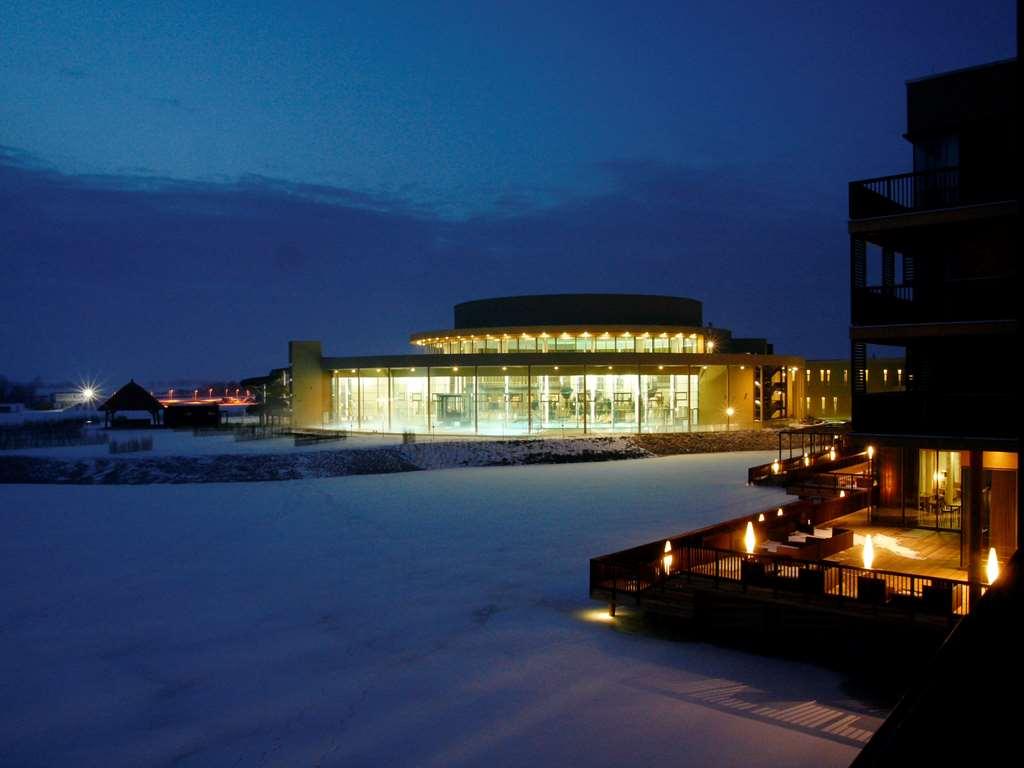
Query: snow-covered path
(425, 618)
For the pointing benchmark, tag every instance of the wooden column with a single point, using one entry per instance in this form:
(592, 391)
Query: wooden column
(972, 518)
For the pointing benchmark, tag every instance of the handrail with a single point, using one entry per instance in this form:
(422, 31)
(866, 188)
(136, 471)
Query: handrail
(839, 580)
(925, 190)
(911, 174)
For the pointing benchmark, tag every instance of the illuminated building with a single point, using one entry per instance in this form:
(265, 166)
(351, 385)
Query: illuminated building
(935, 280)
(556, 364)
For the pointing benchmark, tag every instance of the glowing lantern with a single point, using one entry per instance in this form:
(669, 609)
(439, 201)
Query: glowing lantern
(992, 569)
(666, 561)
(775, 467)
(832, 454)
(869, 552)
(779, 513)
(748, 538)
(760, 518)
(842, 494)
(871, 452)
(807, 460)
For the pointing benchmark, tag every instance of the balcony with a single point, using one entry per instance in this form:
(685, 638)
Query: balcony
(937, 414)
(927, 191)
(988, 298)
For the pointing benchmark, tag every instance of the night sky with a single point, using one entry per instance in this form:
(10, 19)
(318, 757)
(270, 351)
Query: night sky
(184, 187)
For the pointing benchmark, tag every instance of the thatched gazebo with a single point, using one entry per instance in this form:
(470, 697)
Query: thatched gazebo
(132, 397)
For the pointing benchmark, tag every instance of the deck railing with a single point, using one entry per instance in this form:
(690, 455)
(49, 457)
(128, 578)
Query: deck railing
(717, 567)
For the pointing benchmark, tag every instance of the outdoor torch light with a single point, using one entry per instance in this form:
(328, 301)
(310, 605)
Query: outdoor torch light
(992, 569)
(749, 539)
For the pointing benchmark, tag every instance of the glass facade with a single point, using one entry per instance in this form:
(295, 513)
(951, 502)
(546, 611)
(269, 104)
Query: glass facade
(543, 399)
(582, 341)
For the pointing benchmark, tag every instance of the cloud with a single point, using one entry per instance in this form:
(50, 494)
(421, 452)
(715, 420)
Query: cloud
(168, 278)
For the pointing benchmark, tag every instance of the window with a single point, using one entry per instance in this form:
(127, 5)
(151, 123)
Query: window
(822, 403)
(885, 375)
(846, 376)
(808, 372)
(835, 405)
(899, 376)
(808, 404)
(821, 375)
(828, 375)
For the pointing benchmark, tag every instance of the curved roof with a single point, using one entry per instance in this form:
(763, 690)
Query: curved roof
(579, 309)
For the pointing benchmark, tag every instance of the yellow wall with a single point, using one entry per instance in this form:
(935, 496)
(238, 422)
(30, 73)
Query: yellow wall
(310, 384)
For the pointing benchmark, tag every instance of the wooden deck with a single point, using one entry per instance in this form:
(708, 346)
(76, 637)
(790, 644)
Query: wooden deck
(907, 550)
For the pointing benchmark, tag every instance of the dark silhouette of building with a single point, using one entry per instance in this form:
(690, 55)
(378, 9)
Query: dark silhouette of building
(935, 280)
(131, 398)
(192, 415)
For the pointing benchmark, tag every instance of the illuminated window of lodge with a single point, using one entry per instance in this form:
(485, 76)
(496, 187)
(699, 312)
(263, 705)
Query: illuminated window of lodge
(835, 405)
(822, 403)
(828, 375)
(821, 375)
(808, 372)
(846, 376)
(885, 375)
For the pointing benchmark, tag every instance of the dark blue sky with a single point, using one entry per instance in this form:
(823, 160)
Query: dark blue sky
(184, 187)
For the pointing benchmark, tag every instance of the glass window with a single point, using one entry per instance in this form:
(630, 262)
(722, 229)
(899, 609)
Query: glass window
(612, 399)
(502, 400)
(373, 399)
(409, 399)
(668, 398)
(557, 399)
(565, 343)
(345, 399)
(452, 393)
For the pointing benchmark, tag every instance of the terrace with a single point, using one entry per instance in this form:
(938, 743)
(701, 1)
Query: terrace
(810, 557)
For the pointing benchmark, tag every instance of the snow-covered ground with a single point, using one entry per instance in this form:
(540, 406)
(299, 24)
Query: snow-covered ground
(426, 618)
(170, 442)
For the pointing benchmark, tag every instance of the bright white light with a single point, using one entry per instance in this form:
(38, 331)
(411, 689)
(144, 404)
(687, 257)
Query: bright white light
(666, 561)
(992, 569)
(749, 539)
(869, 552)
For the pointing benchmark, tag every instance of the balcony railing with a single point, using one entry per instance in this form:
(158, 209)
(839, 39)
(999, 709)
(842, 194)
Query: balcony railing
(989, 298)
(827, 581)
(926, 191)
